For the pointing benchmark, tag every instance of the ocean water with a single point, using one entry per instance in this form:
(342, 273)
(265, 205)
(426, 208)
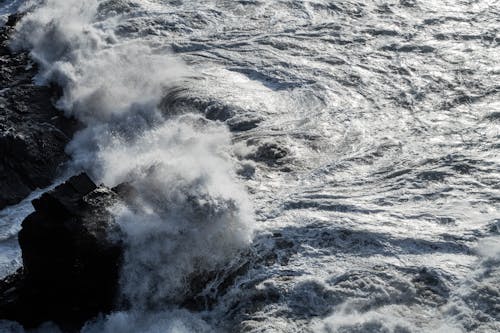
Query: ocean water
(331, 166)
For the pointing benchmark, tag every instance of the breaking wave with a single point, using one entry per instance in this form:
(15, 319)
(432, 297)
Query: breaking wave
(360, 139)
(189, 213)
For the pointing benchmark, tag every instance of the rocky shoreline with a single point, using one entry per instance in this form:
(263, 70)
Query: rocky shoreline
(72, 249)
(71, 261)
(33, 133)
(70, 266)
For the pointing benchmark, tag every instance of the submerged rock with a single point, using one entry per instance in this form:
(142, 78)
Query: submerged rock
(71, 258)
(33, 133)
(269, 152)
(237, 119)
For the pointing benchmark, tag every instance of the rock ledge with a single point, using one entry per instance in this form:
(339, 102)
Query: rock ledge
(71, 261)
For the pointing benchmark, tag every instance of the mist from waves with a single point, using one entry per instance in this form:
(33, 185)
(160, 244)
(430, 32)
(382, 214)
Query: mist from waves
(370, 133)
(189, 213)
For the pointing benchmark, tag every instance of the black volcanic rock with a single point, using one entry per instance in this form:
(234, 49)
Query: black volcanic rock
(33, 133)
(71, 258)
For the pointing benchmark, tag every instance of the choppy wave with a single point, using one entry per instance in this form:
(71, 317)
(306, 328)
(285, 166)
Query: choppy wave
(330, 166)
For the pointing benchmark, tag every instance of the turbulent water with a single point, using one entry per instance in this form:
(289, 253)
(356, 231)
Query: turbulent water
(332, 166)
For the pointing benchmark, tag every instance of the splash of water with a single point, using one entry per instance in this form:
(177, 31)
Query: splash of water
(189, 214)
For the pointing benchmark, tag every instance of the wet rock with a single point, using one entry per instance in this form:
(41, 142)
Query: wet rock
(269, 152)
(178, 101)
(243, 123)
(71, 258)
(33, 133)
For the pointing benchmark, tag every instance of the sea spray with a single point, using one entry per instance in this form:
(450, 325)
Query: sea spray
(390, 111)
(103, 80)
(188, 214)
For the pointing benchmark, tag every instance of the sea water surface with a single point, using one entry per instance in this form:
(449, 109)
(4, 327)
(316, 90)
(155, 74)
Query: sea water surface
(335, 165)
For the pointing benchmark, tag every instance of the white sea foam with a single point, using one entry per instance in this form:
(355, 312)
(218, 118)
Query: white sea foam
(389, 115)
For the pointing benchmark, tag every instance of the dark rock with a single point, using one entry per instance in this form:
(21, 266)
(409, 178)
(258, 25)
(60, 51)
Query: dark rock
(13, 19)
(178, 101)
(243, 123)
(33, 133)
(269, 152)
(71, 258)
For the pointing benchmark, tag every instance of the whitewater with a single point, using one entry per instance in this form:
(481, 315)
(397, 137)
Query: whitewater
(335, 165)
